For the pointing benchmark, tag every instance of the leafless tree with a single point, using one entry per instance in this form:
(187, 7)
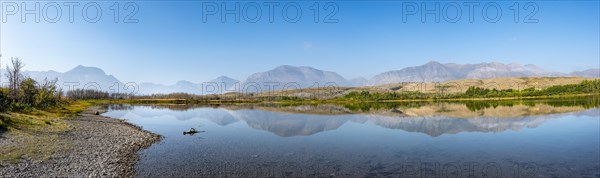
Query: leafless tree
(87, 94)
(14, 77)
(1, 70)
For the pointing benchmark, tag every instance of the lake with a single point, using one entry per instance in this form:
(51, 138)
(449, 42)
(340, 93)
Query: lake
(558, 138)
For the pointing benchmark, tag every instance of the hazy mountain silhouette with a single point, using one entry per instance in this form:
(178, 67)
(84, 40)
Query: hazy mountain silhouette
(80, 77)
(292, 77)
(438, 72)
(188, 87)
(360, 81)
(591, 73)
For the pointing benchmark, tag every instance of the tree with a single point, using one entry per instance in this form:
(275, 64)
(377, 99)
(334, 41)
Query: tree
(28, 92)
(14, 77)
(47, 94)
(442, 89)
(87, 94)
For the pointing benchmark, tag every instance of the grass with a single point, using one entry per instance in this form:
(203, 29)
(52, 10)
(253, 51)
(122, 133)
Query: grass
(36, 133)
(32, 146)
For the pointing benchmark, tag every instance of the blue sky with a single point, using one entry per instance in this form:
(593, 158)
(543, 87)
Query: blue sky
(171, 42)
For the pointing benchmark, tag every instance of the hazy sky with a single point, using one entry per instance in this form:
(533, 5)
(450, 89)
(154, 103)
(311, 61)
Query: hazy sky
(172, 42)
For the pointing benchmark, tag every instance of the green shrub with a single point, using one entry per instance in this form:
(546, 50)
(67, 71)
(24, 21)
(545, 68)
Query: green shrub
(3, 101)
(28, 91)
(20, 107)
(47, 95)
(2, 122)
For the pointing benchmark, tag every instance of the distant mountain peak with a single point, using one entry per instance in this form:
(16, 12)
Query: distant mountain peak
(432, 62)
(81, 67)
(85, 69)
(225, 79)
(184, 82)
(294, 68)
(591, 73)
(222, 77)
(283, 67)
(302, 76)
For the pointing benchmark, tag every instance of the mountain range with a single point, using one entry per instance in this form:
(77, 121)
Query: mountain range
(80, 77)
(437, 72)
(215, 86)
(292, 77)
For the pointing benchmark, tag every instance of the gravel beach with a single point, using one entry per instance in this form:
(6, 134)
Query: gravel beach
(98, 146)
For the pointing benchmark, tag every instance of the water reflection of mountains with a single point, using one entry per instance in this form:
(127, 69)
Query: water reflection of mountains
(433, 119)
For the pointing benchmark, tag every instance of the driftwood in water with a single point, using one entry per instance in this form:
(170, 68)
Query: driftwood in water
(192, 131)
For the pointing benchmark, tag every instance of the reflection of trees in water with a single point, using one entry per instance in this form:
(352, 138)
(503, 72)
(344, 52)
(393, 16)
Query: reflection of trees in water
(120, 107)
(375, 107)
(479, 105)
(443, 108)
(586, 103)
(475, 105)
(174, 107)
(366, 107)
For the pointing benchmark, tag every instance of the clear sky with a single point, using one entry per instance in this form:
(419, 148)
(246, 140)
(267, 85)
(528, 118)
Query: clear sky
(172, 42)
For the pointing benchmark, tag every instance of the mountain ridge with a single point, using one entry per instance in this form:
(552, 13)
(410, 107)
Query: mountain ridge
(287, 76)
(434, 71)
(292, 77)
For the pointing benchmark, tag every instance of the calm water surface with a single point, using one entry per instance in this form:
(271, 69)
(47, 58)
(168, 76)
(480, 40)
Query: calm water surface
(394, 140)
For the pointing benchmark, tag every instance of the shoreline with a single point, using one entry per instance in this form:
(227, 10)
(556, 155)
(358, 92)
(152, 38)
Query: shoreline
(332, 101)
(95, 146)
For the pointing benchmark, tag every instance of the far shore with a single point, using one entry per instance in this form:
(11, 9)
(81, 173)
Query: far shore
(328, 101)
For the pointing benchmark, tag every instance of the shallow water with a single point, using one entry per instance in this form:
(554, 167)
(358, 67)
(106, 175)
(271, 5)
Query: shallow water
(410, 140)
